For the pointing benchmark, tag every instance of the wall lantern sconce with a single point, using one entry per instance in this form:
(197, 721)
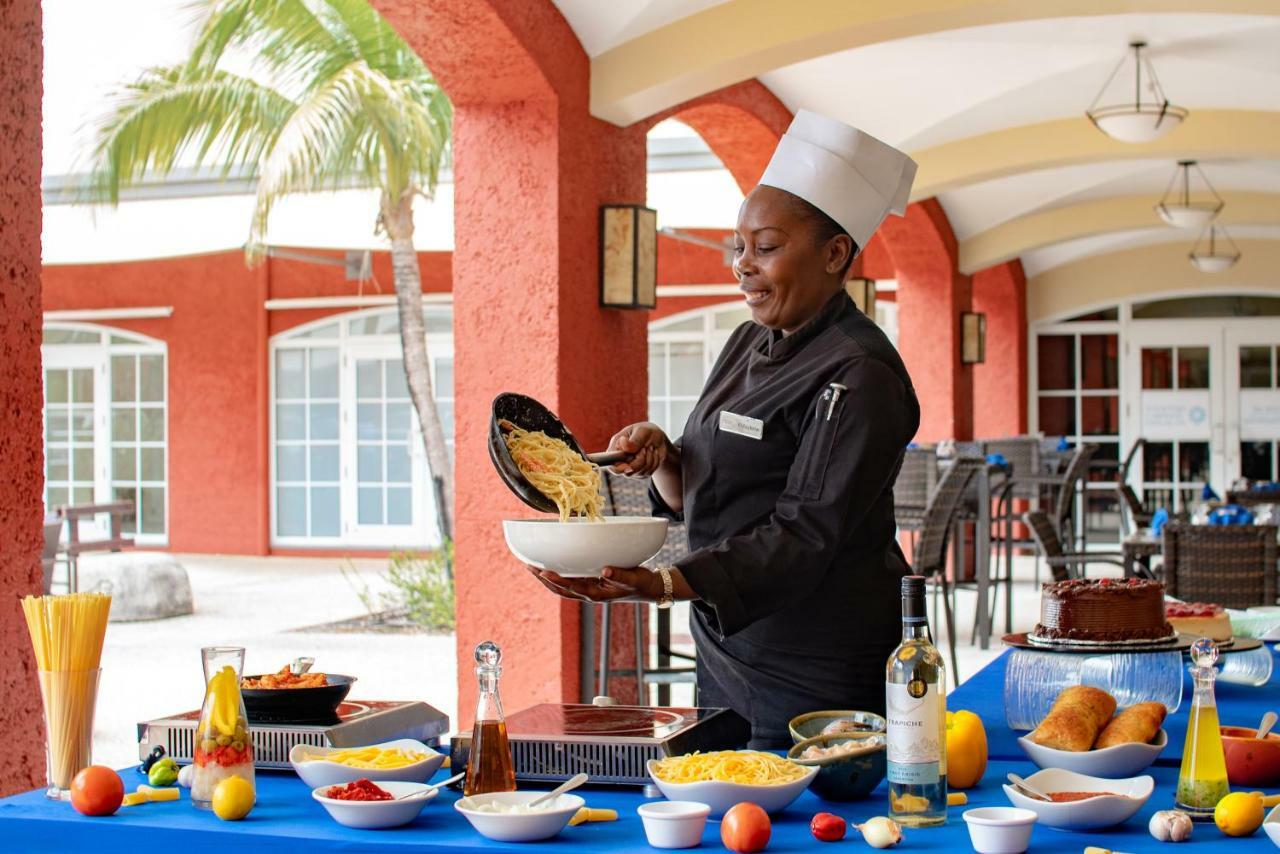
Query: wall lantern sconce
(628, 256)
(863, 293)
(973, 338)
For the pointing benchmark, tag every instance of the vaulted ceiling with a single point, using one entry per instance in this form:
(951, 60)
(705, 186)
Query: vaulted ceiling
(988, 96)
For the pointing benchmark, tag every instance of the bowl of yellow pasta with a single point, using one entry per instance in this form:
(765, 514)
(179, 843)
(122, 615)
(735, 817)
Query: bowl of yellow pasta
(404, 760)
(582, 547)
(722, 778)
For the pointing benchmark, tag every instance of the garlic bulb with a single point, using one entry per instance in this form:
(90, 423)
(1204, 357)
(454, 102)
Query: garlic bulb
(1170, 826)
(880, 832)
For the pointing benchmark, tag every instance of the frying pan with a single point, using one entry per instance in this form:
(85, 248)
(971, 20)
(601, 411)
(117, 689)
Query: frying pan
(524, 411)
(296, 705)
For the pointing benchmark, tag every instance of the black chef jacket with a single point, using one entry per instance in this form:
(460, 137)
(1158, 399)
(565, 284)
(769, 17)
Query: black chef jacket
(788, 498)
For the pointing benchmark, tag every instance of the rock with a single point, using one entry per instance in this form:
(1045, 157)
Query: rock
(142, 585)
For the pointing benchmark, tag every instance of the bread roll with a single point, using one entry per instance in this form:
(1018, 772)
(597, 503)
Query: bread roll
(1138, 723)
(1078, 715)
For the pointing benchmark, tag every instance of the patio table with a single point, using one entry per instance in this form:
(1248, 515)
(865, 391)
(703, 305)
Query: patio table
(288, 820)
(1137, 549)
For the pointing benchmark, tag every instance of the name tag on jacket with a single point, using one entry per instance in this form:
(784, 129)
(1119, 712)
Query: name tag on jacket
(752, 428)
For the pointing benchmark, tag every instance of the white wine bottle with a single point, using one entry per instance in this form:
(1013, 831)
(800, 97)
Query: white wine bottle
(916, 712)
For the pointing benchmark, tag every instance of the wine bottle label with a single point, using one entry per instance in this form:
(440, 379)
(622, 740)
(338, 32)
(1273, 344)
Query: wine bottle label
(912, 735)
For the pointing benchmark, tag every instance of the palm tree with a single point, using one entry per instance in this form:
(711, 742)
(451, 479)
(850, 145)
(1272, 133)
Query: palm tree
(332, 97)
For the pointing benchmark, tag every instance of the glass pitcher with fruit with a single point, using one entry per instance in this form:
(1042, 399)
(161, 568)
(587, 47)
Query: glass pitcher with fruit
(223, 748)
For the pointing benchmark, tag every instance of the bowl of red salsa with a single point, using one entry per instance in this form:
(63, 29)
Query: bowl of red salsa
(367, 805)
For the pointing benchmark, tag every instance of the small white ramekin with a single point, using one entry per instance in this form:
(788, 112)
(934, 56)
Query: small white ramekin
(1000, 830)
(674, 824)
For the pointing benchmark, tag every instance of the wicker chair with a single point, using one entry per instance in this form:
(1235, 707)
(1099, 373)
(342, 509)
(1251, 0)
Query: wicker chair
(1023, 483)
(916, 479)
(930, 556)
(1234, 566)
(1065, 500)
(1062, 564)
(1247, 497)
(629, 496)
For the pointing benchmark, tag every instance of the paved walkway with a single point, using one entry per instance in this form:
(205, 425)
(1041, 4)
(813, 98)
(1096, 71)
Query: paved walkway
(153, 669)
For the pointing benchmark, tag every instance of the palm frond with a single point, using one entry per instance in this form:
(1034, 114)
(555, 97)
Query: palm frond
(166, 114)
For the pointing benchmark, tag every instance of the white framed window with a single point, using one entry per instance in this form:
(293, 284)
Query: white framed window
(682, 350)
(106, 423)
(348, 465)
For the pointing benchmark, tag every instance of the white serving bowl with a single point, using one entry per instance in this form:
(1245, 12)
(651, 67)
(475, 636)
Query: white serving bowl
(1128, 797)
(319, 772)
(999, 830)
(1122, 760)
(581, 548)
(1271, 825)
(674, 824)
(720, 795)
(518, 827)
(377, 815)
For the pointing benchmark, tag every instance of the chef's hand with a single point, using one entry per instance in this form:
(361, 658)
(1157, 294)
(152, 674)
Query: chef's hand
(649, 446)
(625, 584)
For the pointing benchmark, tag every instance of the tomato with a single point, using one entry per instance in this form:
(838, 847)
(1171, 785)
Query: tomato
(827, 827)
(97, 790)
(746, 828)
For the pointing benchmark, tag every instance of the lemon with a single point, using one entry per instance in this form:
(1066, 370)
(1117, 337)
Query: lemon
(234, 797)
(1238, 814)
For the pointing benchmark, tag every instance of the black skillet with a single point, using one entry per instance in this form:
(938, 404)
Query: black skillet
(297, 705)
(524, 411)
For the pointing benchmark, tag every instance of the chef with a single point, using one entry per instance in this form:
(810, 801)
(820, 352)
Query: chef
(784, 473)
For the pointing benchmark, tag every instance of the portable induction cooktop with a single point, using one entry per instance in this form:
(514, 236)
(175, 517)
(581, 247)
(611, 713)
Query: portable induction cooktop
(551, 741)
(356, 723)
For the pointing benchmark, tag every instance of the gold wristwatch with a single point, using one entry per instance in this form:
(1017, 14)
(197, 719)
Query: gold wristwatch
(666, 600)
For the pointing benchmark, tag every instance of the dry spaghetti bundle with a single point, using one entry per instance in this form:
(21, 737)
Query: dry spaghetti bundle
(67, 634)
(748, 767)
(557, 471)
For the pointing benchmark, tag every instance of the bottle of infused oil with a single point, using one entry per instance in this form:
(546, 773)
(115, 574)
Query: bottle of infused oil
(1202, 782)
(916, 715)
(489, 766)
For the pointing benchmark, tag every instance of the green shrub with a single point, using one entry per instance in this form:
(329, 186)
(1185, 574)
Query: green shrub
(421, 588)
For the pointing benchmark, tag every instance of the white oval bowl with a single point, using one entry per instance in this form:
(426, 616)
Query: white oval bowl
(674, 824)
(999, 830)
(377, 815)
(319, 772)
(1271, 825)
(581, 548)
(519, 827)
(1122, 760)
(720, 795)
(1092, 814)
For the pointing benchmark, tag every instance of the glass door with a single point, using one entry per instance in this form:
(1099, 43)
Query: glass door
(73, 444)
(1253, 401)
(1177, 372)
(390, 500)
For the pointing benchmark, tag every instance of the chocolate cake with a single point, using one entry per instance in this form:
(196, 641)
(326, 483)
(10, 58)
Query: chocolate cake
(1105, 611)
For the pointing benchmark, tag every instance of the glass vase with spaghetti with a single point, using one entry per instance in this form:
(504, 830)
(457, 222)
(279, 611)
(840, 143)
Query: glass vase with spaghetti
(223, 747)
(67, 634)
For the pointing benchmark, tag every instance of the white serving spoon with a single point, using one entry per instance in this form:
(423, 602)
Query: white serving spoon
(1028, 788)
(455, 778)
(1268, 721)
(567, 786)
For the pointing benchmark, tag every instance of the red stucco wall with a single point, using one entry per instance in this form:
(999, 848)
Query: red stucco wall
(532, 168)
(932, 293)
(22, 466)
(1000, 383)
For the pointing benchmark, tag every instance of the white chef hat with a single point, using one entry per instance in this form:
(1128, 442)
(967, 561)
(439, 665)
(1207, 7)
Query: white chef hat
(850, 176)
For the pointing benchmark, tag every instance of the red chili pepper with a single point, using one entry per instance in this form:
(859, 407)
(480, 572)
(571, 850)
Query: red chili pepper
(827, 827)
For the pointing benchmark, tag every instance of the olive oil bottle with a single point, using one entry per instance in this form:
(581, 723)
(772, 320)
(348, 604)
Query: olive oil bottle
(916, 715)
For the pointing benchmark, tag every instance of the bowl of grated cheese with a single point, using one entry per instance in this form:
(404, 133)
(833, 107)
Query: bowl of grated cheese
(722, 778)
(404, 760)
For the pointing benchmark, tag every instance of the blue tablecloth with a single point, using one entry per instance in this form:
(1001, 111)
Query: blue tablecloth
(286, 819)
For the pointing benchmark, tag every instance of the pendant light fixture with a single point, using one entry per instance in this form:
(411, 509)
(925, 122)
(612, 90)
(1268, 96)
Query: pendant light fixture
(1176, 205)
(1139, 120)
(1217, 257)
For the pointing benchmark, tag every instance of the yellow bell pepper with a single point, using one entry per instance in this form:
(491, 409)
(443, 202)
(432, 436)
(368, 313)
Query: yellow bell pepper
(966, 750)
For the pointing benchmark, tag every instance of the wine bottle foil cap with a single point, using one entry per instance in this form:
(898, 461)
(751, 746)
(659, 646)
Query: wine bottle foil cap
(913, 585)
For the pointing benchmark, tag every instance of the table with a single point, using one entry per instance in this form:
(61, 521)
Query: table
(1138, 548)
(288, 820)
